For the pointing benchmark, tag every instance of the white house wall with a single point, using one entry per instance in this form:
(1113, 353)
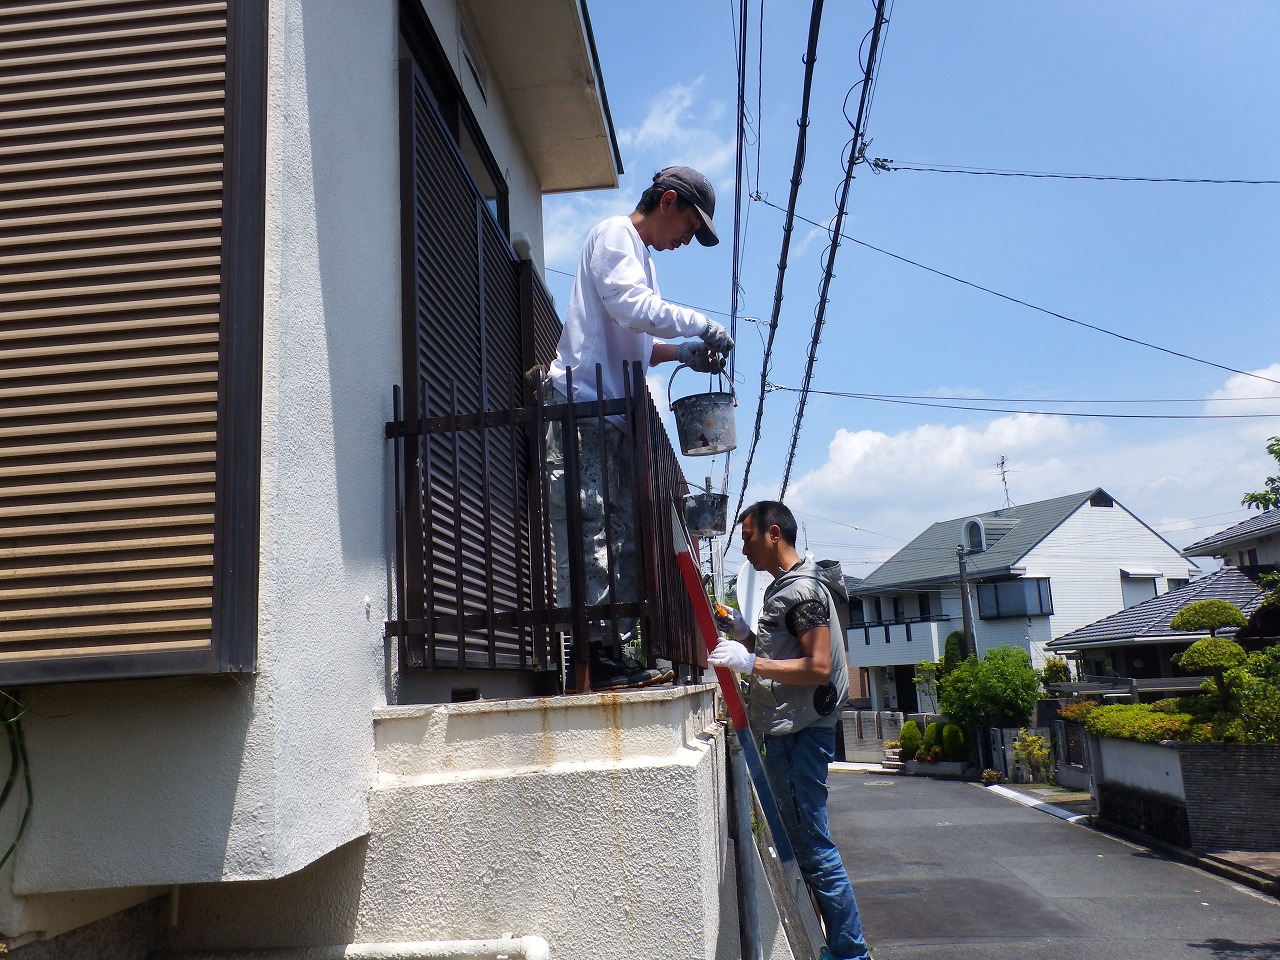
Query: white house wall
(1083, 557)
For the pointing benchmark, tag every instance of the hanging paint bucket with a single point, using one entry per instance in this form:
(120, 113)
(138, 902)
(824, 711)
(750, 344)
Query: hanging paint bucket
(704, 421)
(706, 514)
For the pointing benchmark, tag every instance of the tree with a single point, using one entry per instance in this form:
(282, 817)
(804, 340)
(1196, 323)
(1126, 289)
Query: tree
(1268, 498)
(1000, 689)
(952, 652)
(1056, 670)
(1211, 615)
(1214, 656)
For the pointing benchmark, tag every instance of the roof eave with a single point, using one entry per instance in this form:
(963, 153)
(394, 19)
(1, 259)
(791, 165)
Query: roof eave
(545, 58)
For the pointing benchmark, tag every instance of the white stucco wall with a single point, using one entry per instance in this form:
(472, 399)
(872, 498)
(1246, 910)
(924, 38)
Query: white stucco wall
(1152, 767)
(595, 822)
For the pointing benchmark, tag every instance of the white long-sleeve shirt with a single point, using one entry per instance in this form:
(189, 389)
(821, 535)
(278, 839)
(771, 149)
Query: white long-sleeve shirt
(615, 311)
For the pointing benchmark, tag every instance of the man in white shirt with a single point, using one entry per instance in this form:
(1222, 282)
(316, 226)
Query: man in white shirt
(614, 316)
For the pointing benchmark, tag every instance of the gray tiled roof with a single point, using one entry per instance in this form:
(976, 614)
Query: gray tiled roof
(1248, 529)
(1149, 620)
(931, 557)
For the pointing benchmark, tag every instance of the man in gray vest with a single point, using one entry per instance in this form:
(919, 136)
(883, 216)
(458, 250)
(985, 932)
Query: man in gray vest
(799, 682)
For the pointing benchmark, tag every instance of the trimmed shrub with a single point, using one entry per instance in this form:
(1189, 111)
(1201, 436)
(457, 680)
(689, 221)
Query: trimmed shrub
(953, 747)
(1056, 670)
(1076, 710)
(1136, 721)
(909, 740)
(932, 737)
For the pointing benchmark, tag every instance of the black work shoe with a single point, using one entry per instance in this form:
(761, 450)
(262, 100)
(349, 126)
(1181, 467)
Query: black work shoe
(611, 673)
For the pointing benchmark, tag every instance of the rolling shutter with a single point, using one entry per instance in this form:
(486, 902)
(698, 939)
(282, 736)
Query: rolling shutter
(112, 133)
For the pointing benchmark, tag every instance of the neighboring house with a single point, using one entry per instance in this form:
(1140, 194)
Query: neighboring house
(229, 231)
(1035, 572)
(1137, 643)
(1249, 543)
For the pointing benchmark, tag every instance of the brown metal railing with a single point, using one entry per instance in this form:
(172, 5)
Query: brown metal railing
(461, 611)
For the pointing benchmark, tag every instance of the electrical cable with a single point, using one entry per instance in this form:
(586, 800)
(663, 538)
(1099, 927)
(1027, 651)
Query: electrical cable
(893, 166)
(740, 136)
(1136, 400)
(1031, 306)
(856, 147)
(797, 170)
(1034, 413)
(17, 761)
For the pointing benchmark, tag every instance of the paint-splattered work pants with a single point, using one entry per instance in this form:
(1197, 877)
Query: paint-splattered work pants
(603, 457)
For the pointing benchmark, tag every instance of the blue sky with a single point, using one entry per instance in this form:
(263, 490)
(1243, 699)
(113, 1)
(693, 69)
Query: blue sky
(1140, 89)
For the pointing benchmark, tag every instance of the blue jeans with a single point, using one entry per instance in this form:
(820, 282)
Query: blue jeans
(796, 765)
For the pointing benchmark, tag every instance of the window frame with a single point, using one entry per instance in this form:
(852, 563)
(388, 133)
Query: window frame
(990, 592)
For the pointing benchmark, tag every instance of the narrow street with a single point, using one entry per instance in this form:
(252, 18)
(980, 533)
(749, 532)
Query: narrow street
(945, 870)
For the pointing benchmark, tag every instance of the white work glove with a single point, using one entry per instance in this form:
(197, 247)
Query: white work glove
(732, 624)
(732, 655)
(698, 357)
(717, 338)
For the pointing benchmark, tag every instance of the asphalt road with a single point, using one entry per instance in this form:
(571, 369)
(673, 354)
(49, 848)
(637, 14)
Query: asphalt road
(950, 871)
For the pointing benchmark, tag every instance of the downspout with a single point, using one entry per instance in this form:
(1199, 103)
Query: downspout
(505, 948)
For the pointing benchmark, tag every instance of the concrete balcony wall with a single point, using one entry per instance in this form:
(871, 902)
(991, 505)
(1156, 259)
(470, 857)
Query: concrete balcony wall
(596, 822)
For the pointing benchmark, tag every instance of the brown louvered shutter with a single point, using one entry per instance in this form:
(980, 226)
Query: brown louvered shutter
(468, 556)
(113, 130)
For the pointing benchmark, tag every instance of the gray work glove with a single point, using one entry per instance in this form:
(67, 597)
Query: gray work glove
(717, 338)
(698, 357)
(732, 624)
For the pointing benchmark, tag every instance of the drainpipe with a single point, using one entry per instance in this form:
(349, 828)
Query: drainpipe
(744, 848)
(506, 948)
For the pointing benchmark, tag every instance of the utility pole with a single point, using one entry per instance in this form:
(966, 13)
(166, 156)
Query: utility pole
(966, 608)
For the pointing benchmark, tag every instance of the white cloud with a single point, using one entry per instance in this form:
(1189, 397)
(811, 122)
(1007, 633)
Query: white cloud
(681, 126)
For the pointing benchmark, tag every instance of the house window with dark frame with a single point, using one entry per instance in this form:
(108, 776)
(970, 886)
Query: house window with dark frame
(924, 606)
(1026, 597)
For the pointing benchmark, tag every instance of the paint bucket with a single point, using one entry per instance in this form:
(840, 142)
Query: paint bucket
(704, 421)
(706, 514)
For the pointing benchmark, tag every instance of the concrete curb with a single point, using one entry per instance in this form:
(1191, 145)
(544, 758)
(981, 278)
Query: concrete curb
(1076, 818)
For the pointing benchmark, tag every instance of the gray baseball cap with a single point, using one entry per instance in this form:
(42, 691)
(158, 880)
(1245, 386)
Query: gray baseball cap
(692, 187)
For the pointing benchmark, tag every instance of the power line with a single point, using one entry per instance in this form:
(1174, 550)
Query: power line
(1028, 305)
(1136, 400)
(1034, 413)
(797, 169)
(857, 145)
(893, 166)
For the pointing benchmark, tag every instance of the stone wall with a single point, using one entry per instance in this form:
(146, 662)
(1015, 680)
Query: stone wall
(1226, 796)
(1232, 795)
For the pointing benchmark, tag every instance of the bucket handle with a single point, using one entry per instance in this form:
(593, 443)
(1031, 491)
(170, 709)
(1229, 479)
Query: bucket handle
(684, 366)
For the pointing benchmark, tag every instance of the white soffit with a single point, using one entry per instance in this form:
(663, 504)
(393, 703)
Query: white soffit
(545, 61)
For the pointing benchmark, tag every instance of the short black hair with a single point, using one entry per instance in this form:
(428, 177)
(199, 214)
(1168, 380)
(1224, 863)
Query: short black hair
(768, 513)
(649, 199)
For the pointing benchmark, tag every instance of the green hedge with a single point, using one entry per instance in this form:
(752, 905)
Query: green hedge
(1135, 721)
